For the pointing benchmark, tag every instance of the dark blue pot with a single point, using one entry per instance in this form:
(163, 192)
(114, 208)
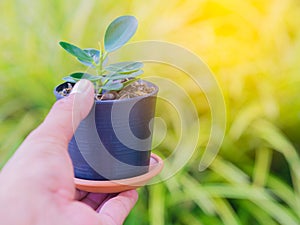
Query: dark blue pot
(114, 140)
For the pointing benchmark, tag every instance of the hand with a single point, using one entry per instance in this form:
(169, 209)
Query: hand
(36, 185)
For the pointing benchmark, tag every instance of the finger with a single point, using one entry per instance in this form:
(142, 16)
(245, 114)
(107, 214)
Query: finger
(79, 195)
(122, 204)
(94, 200)
(108, 198)
(66, 114)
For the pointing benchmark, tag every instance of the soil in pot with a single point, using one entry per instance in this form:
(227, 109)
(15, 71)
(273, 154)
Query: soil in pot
(135, 89)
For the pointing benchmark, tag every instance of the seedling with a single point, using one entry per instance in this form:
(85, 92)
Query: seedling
(111, 77)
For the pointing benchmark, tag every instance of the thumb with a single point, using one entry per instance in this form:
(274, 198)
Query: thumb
(66, 114)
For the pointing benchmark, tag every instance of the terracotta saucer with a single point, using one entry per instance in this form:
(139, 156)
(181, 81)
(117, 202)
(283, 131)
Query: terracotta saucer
(115, 186)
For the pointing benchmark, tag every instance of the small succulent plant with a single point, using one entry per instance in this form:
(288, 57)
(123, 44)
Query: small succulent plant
(112, 77)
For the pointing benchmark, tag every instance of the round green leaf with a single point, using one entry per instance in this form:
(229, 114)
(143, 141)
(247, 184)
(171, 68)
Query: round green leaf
(80, 75)
(124, 67)
(94, 54)
(112, 86)
(119, 32)
(118, 76)
(77, 52)
(69, 79)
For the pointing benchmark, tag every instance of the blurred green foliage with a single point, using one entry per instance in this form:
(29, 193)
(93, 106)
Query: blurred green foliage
(253, 48)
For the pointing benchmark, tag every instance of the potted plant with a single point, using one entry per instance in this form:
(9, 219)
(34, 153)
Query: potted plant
(114, 141)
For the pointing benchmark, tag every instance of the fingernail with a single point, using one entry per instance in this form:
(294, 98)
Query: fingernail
(81, 86)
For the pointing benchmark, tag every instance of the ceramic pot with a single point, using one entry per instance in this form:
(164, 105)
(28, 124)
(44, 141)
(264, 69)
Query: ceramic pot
(114, 141)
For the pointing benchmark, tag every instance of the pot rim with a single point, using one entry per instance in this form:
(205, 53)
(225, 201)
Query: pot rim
(119, 100)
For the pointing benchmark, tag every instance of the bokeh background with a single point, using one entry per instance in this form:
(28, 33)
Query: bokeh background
(253, 49)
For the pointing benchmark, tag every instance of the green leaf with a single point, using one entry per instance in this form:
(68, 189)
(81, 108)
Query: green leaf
(80, 75)
(94, 53)
(103, 79)
(80, 54)
(119, 32)
(69, 79)
(117, 76)
(124, 67)
(112, 86)
(129, 82)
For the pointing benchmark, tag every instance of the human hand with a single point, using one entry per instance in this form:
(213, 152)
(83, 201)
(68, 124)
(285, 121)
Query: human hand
(36, 185)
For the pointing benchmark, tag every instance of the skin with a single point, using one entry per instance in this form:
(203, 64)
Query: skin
(36, 185)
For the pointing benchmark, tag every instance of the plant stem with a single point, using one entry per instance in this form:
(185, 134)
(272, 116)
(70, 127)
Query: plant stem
(102, 59)
(100, 89)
